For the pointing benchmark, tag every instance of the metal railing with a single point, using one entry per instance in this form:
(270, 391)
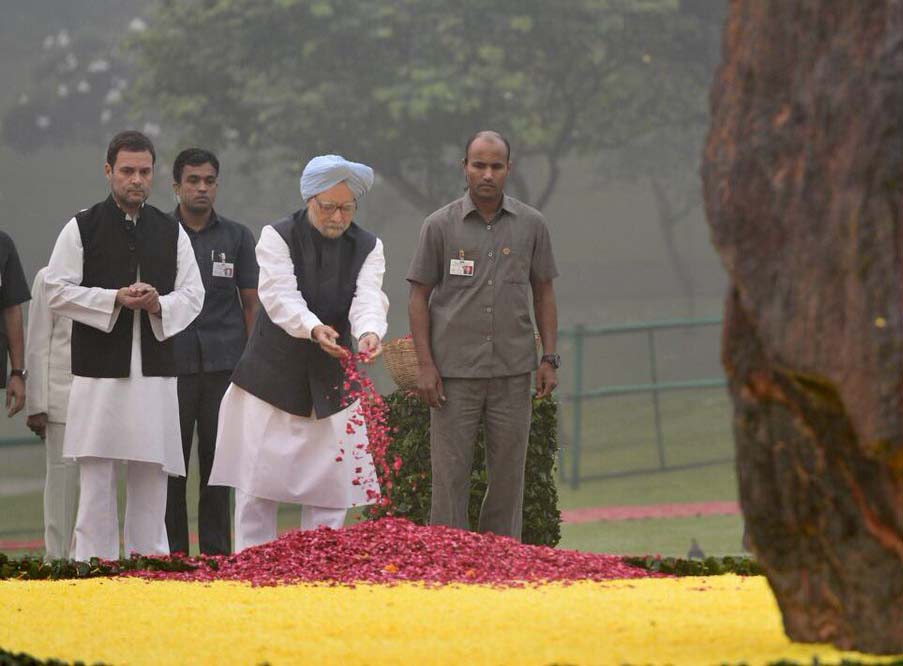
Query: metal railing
(18, 441)
(579, 394)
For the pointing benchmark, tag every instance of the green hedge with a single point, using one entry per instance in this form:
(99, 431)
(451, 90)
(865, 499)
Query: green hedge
(411, 484)
(34, 568)
(710, 566)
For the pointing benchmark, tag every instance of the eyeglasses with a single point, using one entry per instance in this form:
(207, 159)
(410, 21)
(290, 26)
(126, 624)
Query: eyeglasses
(330, 207)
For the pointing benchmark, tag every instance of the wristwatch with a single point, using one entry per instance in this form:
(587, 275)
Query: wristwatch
(552, 359)
(19, 372)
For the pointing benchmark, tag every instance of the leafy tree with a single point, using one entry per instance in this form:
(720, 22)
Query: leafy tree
(77, 84)
(402, 84)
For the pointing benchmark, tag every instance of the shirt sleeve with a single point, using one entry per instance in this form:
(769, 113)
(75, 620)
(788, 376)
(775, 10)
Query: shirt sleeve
(542, 265)
(13, 285)
(183, 304)
(370, 304)
(426, 266)
(37, 348)
(246, 270)
(92, 306)
(277, 288)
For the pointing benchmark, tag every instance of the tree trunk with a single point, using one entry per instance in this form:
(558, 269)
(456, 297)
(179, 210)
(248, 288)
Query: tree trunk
(803, 174)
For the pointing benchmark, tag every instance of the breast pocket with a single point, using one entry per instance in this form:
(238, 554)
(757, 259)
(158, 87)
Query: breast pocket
(515, 263)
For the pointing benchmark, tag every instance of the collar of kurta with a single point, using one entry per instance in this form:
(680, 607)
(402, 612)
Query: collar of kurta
(112, 208)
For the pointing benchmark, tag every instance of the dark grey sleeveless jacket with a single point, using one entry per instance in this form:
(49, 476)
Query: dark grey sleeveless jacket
(292, 374)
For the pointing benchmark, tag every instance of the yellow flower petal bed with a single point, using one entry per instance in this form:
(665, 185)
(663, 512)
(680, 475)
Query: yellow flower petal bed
(724, 619)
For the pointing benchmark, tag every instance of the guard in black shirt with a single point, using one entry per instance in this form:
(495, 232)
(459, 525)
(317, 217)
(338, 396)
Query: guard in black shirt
(208, 350)
(13, 292)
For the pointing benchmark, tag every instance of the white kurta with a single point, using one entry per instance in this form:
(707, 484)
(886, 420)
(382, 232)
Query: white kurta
(134, 418)
(47, 356)
(269, 453)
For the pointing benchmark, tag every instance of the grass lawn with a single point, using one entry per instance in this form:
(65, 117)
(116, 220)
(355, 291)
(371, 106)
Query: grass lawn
(716, 535)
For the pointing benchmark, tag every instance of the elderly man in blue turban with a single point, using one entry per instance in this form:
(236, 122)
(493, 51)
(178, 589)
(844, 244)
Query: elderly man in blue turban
(283, 434)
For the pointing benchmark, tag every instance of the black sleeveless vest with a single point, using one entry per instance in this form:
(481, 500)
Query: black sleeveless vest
(292, 374)
(112, 255)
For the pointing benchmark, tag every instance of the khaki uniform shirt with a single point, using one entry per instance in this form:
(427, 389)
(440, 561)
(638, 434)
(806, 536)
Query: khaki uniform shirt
(480, 324)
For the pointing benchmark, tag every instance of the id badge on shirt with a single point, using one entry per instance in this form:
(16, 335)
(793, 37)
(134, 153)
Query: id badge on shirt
(461, 267)
(222, 268)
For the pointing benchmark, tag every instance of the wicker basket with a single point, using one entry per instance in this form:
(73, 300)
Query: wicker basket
(401, 361)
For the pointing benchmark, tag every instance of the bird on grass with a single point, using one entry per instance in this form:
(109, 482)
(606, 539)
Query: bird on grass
(695, 552)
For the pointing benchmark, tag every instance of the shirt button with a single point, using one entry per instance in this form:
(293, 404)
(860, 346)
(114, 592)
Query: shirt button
(488, 309)
(489, 282)
(490, 253)
(488, 227)
(489, 338)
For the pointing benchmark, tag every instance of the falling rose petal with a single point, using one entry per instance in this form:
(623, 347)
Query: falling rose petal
(373, 413)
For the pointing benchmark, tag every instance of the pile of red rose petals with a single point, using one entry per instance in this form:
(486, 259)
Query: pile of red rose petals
(393, 550)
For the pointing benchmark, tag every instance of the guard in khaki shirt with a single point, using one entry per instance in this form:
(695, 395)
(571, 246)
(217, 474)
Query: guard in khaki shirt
(478, 261)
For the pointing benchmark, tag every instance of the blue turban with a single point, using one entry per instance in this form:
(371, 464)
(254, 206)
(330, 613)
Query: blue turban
(326, 171)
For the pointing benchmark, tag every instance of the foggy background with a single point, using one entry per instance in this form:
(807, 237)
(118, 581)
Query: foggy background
(68, 75)
(605, 103)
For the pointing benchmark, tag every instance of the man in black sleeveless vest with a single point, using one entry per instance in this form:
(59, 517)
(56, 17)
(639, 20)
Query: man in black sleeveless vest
(125, 273)
(283, 433)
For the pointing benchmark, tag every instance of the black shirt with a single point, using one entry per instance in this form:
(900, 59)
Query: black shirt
(225, 254)
(13, 291)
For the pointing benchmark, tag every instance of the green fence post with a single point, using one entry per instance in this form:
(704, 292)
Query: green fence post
(578, 406)
(653, 373)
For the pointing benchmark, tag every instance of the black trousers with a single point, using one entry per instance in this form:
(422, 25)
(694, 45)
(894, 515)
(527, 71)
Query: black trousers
(199, 398)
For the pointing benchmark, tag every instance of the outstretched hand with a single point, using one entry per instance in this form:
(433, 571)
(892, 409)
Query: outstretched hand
(326, 337)
(370, 346)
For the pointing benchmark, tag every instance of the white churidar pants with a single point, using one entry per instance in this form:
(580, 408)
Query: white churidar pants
(255, 519)
(60, 496)
(97, 524)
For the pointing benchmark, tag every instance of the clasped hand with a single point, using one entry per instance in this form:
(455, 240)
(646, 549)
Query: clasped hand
(139, 296)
